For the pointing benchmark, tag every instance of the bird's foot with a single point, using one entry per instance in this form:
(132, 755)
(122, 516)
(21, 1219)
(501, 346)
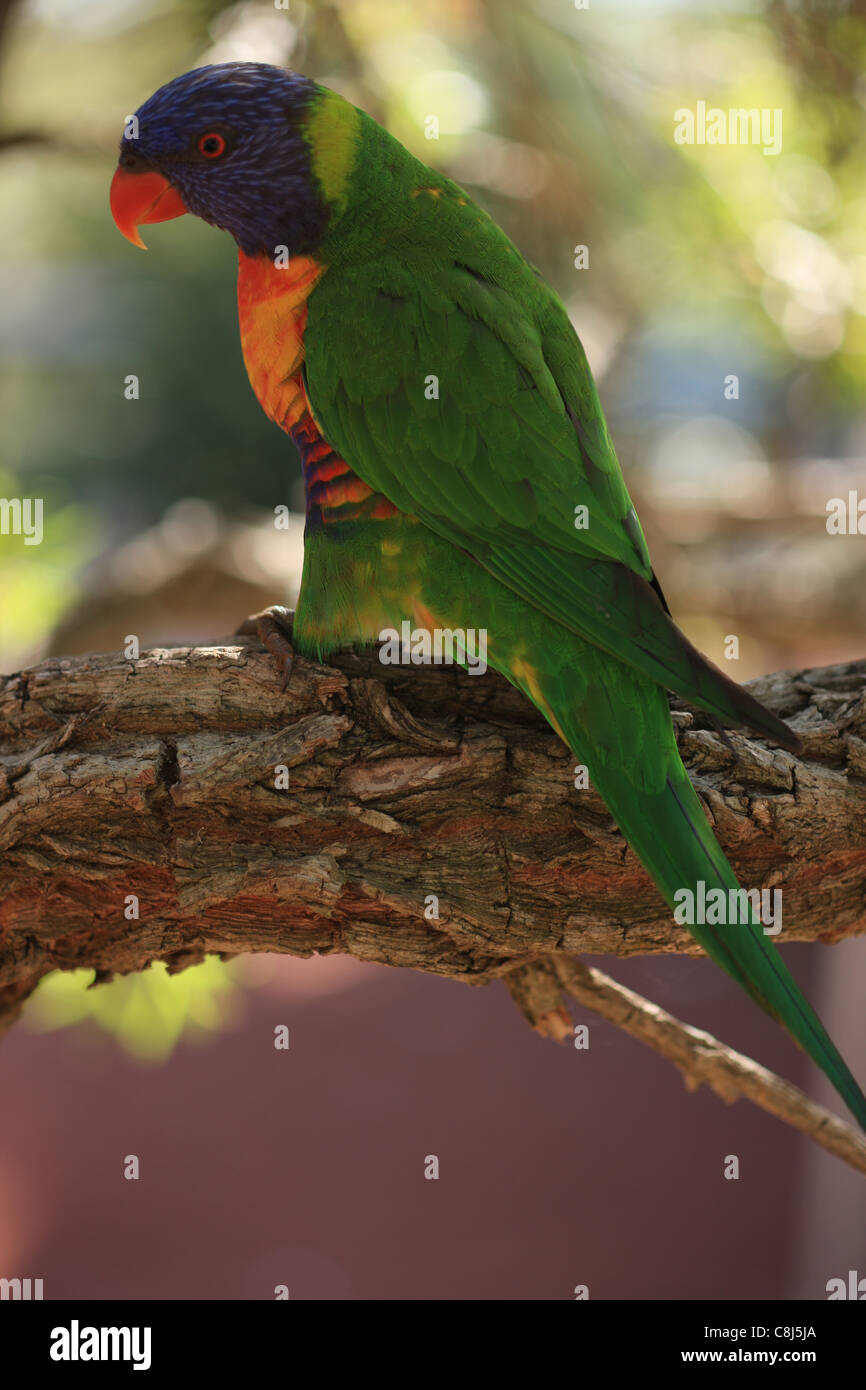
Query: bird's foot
(273, 627)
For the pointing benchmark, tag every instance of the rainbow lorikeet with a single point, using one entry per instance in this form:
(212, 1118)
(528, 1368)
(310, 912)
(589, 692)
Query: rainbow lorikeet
(459, 473)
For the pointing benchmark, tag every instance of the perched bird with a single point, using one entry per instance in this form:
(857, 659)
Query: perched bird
(459, 472)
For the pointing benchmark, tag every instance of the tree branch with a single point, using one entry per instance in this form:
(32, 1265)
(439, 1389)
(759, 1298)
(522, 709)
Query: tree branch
(410, 791)
(702, 1058)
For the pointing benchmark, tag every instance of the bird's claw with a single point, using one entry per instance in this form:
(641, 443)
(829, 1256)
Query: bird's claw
(273, 627)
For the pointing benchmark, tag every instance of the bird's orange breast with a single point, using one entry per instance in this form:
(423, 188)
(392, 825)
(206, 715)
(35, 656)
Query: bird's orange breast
(272, 313)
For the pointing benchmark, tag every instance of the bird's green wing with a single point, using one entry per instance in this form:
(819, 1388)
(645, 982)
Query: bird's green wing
(471, 406)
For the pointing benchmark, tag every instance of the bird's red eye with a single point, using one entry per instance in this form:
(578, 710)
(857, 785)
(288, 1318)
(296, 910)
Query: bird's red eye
(211, 145)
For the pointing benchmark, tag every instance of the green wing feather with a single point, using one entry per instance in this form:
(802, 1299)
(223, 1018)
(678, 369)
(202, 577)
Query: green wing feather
(498, 462)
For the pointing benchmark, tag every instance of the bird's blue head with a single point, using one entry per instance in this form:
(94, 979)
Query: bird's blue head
(227, 143)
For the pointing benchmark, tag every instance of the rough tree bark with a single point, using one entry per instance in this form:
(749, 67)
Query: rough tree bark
(156, 778)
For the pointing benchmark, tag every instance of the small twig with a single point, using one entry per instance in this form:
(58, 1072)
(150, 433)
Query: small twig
(701, 1057)
(537, 991)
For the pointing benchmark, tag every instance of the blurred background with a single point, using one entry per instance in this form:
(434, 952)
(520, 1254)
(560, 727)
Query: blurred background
(706, 263)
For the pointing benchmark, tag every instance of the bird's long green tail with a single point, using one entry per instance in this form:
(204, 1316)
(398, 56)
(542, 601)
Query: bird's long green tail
(670, 834)
(618, 723)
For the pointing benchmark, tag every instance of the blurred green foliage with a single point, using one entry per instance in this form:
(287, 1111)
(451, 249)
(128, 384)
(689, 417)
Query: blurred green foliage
(148, 1014)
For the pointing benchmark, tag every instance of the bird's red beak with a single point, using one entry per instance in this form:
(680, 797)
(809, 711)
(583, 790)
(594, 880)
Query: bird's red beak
(139, 198)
